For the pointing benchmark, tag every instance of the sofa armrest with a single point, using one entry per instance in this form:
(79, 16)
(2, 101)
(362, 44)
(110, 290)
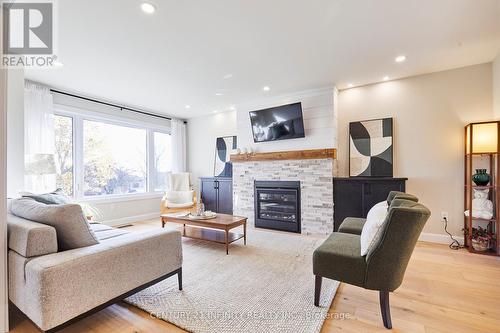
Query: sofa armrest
(30, 239)
(69, 283)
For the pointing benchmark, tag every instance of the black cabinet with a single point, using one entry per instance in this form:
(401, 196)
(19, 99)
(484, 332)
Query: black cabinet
(217, 194)
(353, 197)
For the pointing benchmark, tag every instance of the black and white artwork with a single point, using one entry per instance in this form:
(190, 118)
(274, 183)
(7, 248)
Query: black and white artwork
(370, 148)
(223, 147)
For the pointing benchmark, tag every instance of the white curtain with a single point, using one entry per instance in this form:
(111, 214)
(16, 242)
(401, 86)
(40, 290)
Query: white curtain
(178, 151)
(39, 138)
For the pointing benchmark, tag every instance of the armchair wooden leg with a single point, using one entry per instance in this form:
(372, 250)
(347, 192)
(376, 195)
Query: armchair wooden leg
(385, 309)
(179, 278)
(317, 289)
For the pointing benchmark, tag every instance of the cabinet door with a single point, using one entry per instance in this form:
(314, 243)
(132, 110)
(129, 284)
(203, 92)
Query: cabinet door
(225, 196)
(209, 193)
(374, 192)
(347, 200)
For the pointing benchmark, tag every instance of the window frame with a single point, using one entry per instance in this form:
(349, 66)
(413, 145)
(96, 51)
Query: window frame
(79, 115)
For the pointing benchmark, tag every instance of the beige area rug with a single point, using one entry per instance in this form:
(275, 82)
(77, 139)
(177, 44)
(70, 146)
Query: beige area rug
(266, 286)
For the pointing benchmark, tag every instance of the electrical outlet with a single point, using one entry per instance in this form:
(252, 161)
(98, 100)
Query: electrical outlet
(444, 216)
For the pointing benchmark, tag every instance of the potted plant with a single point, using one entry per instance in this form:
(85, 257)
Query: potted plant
(481, 238)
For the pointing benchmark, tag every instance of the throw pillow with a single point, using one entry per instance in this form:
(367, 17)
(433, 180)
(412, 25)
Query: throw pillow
(58, 197)
(374, 221)
(72, 228)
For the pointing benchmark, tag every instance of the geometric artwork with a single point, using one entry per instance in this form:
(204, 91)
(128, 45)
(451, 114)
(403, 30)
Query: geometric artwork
(223, 147)
(370, 148)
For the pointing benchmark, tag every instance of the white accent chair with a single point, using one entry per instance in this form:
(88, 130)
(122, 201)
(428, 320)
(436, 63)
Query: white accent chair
(180, 196)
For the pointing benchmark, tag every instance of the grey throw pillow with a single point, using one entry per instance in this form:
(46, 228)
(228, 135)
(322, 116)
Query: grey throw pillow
(72, 228)
(58, 197)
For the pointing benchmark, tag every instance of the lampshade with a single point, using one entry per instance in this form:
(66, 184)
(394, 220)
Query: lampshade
(484, 138)
(40, 164)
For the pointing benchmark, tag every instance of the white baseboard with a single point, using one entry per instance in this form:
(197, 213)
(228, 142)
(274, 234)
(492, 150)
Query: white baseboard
(131, 219)
(439, 238)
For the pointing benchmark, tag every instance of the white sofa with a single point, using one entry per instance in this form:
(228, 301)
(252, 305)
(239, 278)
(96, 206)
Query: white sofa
(56, 288)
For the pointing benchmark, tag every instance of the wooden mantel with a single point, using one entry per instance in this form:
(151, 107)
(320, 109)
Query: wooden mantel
(286, 155)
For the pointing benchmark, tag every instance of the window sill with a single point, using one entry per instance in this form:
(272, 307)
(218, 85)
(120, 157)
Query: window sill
(122, 198)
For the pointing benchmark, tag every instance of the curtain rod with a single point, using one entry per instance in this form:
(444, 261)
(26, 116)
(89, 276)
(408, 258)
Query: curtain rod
(110, 104)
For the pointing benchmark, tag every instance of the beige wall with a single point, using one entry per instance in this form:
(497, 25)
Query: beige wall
(430, 112)
(496, 86)
(201, 134)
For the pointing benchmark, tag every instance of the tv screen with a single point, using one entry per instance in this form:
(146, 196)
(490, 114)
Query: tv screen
(279, 123)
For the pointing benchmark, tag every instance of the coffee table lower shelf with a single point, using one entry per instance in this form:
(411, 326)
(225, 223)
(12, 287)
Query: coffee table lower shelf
(212, 235)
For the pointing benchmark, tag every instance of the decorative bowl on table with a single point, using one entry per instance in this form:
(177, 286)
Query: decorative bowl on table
(203, 216)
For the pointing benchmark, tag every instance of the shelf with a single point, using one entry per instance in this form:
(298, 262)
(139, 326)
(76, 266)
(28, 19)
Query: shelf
(481, 154)
(490, 252)
(286, 155)
(480, 219)
(483, 187)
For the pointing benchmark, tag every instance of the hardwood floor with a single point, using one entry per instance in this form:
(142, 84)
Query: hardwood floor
(443, 291)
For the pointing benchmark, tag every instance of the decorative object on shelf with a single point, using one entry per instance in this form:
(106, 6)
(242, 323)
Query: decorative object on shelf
(481, 178)
(482, 239)
(222, 164)
(482, 205)
(370, 148)
(482, 208)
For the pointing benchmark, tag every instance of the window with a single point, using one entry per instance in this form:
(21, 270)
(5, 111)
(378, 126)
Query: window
(102, 156)
(114, 159)
(162, 160)
(63, 127)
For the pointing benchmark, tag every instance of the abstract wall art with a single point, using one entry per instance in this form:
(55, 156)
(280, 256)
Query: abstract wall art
(223, 147)
(370, 148)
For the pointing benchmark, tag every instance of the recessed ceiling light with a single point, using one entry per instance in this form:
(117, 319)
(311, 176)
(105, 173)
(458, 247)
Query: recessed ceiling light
(219, 94)
(228, 76)
(350, 85)
(266, 88)
(400, 58)
(232, 108)
(188, 106)
(148, 8)
(215, 111)
(386, 78)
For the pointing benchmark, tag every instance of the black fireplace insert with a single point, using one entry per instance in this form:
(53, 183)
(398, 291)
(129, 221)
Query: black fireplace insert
(277, 205)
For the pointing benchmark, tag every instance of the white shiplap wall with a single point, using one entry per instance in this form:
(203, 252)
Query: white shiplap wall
(320, 121)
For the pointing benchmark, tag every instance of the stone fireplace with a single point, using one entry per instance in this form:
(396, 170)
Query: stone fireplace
(314, 172)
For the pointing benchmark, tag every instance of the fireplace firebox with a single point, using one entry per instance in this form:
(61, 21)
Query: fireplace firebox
(277, 205)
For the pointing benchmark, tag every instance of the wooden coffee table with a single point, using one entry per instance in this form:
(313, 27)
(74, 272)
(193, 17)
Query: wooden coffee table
(214, 230)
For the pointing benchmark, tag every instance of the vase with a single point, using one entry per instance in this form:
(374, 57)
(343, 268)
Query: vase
(481, 178)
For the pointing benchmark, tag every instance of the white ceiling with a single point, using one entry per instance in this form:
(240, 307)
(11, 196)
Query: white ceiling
(189, 50)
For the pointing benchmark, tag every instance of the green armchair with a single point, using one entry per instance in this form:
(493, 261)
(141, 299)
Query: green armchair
(383, 268)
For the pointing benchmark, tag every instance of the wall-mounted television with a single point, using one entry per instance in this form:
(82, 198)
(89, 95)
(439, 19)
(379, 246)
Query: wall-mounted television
(278, 123)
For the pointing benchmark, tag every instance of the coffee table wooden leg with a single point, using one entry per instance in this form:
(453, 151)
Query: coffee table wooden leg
(184, 230)
(226, 238)
(162, 223)
(245, 233)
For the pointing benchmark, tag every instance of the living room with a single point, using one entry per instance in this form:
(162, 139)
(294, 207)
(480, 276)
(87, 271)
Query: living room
(239, 166)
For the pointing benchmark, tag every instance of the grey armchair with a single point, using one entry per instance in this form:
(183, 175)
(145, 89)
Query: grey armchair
(383, 268)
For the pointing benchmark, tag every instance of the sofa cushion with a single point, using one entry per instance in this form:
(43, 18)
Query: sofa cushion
(73, 229)
(339, 258)
(374, 220)
(30, 239)
(400, 195)
(58, 197)
(352, 225)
